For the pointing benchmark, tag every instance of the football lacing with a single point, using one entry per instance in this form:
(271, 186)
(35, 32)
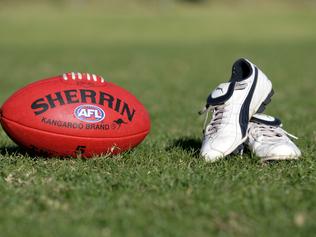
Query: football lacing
(80, 76)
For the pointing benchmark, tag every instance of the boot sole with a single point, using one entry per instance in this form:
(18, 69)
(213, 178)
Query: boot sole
(265, 102)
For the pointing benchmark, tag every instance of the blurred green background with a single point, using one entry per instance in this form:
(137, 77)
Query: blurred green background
(170, 54)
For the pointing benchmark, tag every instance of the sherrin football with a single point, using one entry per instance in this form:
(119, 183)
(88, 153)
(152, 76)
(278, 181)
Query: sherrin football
(76, 114)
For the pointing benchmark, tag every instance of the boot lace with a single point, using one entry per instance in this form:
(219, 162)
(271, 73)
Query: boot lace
(218, 114)
(269, 133)
(217, 121)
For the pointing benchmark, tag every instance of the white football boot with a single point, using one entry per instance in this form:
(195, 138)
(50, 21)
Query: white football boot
(269, 141)
(233, 104)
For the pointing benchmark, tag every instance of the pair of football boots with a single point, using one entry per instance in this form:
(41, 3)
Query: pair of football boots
(237, 118)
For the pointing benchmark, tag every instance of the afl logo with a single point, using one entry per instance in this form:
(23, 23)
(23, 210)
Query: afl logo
(89, 113)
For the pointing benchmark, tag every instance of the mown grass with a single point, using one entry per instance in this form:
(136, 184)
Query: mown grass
(170, 59)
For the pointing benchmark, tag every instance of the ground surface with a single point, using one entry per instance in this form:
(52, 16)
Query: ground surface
(170, 58)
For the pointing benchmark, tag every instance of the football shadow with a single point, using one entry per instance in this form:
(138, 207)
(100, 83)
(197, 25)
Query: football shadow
(13, 151)
(188, 144)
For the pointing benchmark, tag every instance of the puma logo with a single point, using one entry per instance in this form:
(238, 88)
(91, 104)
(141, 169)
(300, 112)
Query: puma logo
(220, 88)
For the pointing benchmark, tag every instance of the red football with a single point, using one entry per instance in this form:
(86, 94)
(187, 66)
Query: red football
(76, 114)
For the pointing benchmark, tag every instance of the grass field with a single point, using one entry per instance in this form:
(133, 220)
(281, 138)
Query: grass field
(170, 58)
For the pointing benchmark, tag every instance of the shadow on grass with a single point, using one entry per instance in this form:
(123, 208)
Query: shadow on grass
(187, 144)
(20, 151)
(13, 151)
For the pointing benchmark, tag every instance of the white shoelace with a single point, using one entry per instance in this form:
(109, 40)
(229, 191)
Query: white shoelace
(218, 114)
(270, 133)
(217, 118)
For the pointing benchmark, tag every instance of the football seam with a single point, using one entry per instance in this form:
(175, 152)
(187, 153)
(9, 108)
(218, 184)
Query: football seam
(22, 125)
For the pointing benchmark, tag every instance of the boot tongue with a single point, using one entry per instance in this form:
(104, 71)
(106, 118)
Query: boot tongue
(220, 90)
(266, 119)
(221, 94)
